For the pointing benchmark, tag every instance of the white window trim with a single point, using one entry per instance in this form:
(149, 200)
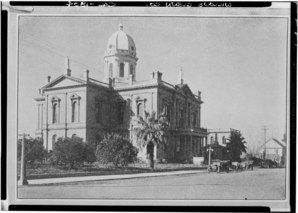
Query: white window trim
(75, 98)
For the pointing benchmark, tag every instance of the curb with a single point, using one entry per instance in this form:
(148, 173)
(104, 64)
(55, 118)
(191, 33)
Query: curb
(108, 177)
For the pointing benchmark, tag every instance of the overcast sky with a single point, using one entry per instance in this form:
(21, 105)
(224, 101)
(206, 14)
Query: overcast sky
(239, 64)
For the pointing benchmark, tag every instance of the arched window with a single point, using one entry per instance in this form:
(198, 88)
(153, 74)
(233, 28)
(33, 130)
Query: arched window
(98, 111)
(131, 70)
(194, 119)
(181, 120)
(55, 106)
(121, 72)
(140, 110)
(111, 70)
(223, 139)
(167, 111)
(178, 147)
(73, 135)
(188, 115)
(120, 111)
(211, 139)
(53, 140)
(74, 111)
(75, 108)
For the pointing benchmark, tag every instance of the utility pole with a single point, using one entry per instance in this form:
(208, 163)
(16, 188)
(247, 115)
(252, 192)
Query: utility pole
(265, 130)
(23, 179)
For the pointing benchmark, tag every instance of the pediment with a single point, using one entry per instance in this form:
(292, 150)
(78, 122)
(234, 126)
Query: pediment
(273, 144)
(185, 90)
(64, 81)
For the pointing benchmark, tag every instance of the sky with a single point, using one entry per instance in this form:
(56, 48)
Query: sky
(239, 64)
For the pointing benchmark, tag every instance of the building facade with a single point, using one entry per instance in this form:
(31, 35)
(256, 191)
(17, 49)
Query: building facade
(274, 150)
(88, 108)
(218, 140)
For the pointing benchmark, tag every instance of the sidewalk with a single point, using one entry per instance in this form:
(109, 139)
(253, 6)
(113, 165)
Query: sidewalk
(109, 177)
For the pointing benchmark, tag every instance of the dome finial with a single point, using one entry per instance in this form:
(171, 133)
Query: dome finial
(120, 27)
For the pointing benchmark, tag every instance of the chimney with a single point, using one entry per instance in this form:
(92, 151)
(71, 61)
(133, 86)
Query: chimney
(67, 68)
(159, 75)
(49, 79)
(180, 76)
(199, 95)
(130, 79)
(87, 75)
(152, 75)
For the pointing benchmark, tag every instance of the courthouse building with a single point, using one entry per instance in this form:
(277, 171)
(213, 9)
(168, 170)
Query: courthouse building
(85, 107)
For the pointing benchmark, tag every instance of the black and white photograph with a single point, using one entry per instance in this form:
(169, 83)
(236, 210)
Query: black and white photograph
(149, 104)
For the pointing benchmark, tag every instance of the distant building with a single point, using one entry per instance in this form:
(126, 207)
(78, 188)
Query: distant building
(70, 106)
(218, 139)
(274, 150)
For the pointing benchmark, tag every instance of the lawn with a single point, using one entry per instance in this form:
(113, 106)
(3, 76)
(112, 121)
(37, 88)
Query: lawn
(39, 171)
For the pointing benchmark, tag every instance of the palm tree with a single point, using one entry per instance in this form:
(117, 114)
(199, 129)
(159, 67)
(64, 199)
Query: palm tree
(284, 139)
(236, 146)
(150, 132)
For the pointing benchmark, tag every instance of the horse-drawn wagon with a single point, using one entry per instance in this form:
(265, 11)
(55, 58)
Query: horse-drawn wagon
(227, 165)
(219, 166)
(240, 166)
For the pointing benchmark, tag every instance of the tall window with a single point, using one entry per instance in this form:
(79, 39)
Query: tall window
(53, 140)
(111, 70)
(121, 73)
(98, 112)
(140, 110)
(194, 147)
(131, 70)
(167, 111)
(55, 109)
(194, 119)
(188, 113)
(55, 113)
(211, 139)
(182, 144)
(120, 111)
(39, 116)
(200, 145)
(177, 113)
(223, 139)
(181, 120)
(74, 108)
(178, 145)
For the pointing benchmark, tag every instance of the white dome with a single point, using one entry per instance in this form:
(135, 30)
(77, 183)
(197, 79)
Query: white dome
(120, 42)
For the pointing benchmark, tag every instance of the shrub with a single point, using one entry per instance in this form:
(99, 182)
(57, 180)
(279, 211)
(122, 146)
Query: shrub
(34, 150)
(89, 153)
(117, 150)
(71, 153)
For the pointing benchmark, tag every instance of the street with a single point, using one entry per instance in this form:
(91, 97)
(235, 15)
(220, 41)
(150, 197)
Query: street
(251, 185)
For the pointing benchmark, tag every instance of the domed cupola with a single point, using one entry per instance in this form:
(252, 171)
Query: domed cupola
(120, 57)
